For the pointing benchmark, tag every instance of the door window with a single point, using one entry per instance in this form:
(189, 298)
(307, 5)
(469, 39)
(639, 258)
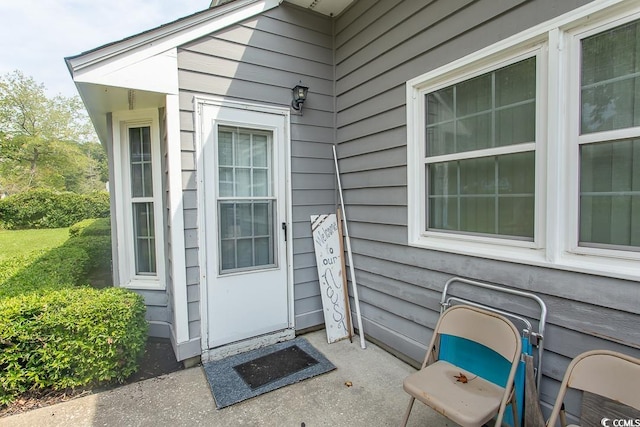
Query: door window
(246, 199)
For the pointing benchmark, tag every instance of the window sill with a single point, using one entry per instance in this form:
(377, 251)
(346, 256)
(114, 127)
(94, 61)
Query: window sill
(144, 284)
(619, 268)
(511, 251)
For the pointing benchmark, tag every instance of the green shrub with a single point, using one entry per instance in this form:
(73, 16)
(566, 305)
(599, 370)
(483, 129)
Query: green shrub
(55, 334)
(89, 250)
(58, 268)
(91, 227)
(98, 249)
(94, 236)
(68, 338)
(80, 226)
(50, 209)
(12, 266)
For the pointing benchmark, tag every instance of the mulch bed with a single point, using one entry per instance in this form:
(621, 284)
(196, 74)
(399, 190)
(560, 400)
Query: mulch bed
(158, 359)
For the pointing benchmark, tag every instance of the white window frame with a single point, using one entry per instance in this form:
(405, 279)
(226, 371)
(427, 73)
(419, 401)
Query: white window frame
(495, 247)
(557, 46)
(575, 254)
(122, 122)
(577, 140)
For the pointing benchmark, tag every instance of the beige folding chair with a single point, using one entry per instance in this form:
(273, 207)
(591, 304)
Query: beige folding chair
(459, 395)
(609, 374)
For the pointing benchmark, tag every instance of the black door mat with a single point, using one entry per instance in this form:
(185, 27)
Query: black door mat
(274, 366)
(264, 370)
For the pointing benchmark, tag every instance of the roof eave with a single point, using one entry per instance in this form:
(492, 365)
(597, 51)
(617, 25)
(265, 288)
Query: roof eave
(148, 38)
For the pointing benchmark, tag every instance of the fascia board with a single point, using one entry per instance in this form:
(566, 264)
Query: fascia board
(138, 48)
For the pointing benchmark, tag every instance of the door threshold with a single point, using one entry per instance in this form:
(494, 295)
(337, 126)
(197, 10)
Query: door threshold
(247, 345)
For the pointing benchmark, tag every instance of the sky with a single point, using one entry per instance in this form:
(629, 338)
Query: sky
(36, 35)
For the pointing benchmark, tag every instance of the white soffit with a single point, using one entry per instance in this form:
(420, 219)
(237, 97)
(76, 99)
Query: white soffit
(156, 74)
(326, 7)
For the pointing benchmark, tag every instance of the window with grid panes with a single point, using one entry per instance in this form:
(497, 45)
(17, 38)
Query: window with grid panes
(609, 142)
(246, 199)
(480, 154)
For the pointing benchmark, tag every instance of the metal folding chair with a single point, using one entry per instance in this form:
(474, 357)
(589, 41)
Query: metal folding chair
(604, 373)
(461, 394)
(533, 327)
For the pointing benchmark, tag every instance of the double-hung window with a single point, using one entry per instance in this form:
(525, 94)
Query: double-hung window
(528, 151)
(138, 191)
(474, 155)
(480, 154)
(142, 202)
(609, 139)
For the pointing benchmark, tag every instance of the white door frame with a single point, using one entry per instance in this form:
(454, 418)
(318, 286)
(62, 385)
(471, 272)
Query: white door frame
(200, 139)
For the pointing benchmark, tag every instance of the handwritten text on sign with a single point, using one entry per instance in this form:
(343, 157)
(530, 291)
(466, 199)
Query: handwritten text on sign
(326, 241)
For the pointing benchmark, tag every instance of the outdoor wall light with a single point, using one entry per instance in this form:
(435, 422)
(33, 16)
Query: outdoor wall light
(299, 96)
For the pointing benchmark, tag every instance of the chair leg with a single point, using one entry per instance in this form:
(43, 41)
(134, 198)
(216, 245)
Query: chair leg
(563, 416)
(514, 406)
(514, 411)
(406, 415)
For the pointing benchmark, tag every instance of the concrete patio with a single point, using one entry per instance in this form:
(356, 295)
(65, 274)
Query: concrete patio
(375, 398)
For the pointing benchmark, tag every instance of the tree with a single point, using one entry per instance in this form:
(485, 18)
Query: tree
(46, 142)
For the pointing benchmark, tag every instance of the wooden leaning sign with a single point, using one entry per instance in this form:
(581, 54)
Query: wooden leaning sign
(327, 241)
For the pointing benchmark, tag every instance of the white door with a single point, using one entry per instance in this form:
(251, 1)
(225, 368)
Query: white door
(244, 160)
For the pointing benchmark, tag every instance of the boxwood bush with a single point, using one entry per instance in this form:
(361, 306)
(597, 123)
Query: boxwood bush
(91, 227)
(56, 333)
(69, 338)
(51, 209)
(94, 237)
(88, 249)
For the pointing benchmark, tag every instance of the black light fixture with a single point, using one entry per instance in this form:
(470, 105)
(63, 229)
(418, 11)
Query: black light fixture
(299, 96)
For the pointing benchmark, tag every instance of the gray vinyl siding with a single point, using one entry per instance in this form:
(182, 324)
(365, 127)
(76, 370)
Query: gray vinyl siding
(259, 61)
(379, 46)
(190, 214)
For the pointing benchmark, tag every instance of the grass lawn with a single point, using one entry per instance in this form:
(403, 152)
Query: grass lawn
(23, 242)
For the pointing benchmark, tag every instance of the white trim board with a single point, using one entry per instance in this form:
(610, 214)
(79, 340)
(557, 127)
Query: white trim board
(178, 257)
